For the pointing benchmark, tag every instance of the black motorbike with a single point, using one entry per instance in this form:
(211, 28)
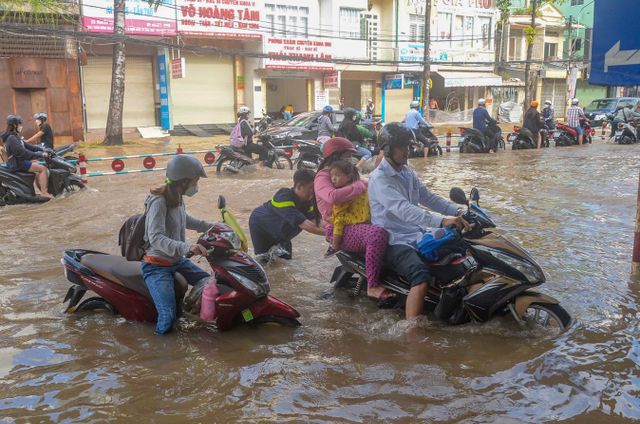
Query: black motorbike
(233, 159)
(473, 141)
(524, 140)
(627, 132)
(18, 187)
(309, 154)
(423, 138)
(493, 276)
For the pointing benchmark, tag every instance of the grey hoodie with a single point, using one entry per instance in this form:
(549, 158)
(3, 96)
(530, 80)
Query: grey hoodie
(165, 229)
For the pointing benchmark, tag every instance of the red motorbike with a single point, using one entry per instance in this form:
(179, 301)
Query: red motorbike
(565, 135)
(242, 283)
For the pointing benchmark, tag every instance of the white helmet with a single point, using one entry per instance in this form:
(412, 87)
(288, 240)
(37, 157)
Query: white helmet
(481, 102)
(414, 104)
(243, 110)
(575, 102)
(547, 102)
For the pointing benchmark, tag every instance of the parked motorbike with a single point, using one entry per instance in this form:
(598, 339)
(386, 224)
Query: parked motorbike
(242, 283)
(565, 135)
(309, 154)
(526, 141)
(495, 277)
(18, 187)
(626, 133)
(473, 141)
(233, 159)
(418, 147)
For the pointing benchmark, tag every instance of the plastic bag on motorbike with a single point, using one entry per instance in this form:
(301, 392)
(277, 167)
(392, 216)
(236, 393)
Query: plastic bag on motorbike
(440, 243)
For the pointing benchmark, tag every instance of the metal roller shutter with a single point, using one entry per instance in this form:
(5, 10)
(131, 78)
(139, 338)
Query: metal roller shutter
(556, 91)
(139, 103)
(206, 95)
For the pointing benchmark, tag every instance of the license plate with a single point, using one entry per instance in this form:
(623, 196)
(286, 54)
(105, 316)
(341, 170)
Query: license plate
(556, 134)
(247, 315)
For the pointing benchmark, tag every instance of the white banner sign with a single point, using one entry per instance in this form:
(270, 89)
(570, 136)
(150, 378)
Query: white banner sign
(300, 49)
(140, 18)
(221, 18)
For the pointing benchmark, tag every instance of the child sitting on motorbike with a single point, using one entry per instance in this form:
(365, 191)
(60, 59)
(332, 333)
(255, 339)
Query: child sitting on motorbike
(278, 221)
(352, 228)
(166, 222)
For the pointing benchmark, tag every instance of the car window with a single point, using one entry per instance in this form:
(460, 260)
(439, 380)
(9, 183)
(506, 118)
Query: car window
(599, 104)
(299, 120)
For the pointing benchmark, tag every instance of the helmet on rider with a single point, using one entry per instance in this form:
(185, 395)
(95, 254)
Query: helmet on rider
(337, 145)
(41, 116)
(414, 105)
(327, 109)
(244, 111)
(14, 120)
(184, 167)
(534, 103)
(575, 102)
(482, 102)
(350, 113)
(394, 135)
(547, 103)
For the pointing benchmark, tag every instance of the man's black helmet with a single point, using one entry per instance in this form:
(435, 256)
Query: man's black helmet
(394, 135)
(350, 113)
(14, 120)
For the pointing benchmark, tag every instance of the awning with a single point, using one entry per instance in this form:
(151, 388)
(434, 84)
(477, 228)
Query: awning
(470, 79)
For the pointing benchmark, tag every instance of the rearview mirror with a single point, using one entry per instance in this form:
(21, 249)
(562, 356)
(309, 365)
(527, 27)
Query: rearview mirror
(222, 202)
(475, 194)
(457, 195)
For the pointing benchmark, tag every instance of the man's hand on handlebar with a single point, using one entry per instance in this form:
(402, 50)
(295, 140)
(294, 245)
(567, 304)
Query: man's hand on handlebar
(457, 221)
(198, 250)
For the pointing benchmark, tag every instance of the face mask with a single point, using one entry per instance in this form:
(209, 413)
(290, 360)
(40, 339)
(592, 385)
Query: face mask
(20, 128)
(191, 190)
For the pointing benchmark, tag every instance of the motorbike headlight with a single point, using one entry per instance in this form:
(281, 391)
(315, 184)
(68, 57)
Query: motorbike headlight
(530, 271)
(258, 289)
(232, 238)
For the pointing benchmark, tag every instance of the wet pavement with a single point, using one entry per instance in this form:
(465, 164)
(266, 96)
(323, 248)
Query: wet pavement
(572, 208)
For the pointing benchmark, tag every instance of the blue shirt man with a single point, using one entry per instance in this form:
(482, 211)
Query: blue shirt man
(413, 119)
(481, 117)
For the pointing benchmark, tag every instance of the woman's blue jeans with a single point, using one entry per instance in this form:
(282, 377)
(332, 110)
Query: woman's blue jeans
(159, 280)
(364, 152)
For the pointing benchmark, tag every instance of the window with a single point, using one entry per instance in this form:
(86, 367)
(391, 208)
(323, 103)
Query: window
(484, 25)
(577, 2)
(350, 22)
(468, 31)
(416, 27)
(287, 21)
(444, 29)
(458, 32)
(370, 31)
(550, 50)
(577, 45)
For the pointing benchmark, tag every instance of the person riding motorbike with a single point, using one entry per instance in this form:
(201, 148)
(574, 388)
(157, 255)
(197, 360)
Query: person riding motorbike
(349, 130)
(413, 120)
(247, 134)
(395, 193)
(45, 134)
(627, 114)
(575, 115)
(548, 114)
(533, 121)
(166, 222)
(20, 154)
(325, 125)
(481, 119)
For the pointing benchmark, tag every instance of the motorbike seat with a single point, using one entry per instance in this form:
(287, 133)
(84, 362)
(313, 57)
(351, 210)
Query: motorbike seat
(21, 174)
(127, 273)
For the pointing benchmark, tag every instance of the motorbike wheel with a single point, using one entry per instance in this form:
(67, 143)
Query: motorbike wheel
(501, 144)
(73, 186)
(435, 151)
(281, 161)
(228, 164)
(548, 316)
(96, 303)
(270, 319)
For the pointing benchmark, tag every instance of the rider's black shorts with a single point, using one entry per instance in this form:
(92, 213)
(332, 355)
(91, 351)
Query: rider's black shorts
(406, 261)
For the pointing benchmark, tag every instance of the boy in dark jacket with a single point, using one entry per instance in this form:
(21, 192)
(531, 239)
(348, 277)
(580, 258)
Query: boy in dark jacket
(278, 221)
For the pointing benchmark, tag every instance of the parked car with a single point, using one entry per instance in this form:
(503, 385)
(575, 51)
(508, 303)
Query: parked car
(601, 110)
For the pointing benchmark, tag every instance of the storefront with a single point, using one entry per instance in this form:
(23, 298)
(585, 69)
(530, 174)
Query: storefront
(30, 85)
(282, 87)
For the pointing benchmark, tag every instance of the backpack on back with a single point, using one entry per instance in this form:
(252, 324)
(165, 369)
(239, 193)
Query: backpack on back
(131, 237)
(236, 138)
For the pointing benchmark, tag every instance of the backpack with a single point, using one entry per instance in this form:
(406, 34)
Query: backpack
(236, 138)
(440, 243)
(131, 237)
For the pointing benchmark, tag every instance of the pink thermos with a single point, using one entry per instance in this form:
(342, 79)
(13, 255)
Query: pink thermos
(208, 303)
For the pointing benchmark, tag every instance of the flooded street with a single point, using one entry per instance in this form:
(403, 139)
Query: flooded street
(572, 208)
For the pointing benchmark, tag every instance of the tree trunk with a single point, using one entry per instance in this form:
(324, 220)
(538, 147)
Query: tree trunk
(113, 133)
(527, 66)
(498, 55)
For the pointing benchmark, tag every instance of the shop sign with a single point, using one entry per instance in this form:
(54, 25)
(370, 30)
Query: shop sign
(414, 52)
(140, 17)
(220, 18)
(28, 72)
(332, 80)
(240, 82)
(468, 4)
(165, 120)
(296, 51)
(321, 99)
(394, 82)
(178, 68)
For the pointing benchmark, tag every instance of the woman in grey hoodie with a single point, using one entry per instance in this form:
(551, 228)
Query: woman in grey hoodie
(166, 223)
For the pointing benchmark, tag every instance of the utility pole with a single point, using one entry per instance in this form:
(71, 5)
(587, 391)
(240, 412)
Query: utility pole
(426, 75)
(569, 76)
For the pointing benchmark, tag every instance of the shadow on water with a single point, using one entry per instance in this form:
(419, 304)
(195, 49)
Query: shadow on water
(349, 362)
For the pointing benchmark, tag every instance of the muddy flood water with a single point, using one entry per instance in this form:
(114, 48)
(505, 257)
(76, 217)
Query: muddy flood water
(572, 208)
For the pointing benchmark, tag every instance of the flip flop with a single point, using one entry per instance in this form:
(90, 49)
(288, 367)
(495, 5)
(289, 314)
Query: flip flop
(384, 296)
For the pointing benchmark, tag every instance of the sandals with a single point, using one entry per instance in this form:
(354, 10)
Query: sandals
(384, 296)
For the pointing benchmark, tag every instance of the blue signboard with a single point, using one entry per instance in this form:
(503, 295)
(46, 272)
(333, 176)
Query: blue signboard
(616, 43)
(165, 118)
